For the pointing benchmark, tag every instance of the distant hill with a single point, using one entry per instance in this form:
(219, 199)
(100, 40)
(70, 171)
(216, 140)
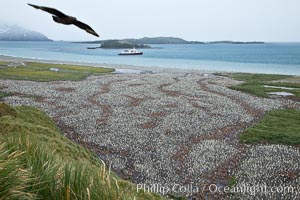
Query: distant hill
(121, 44)
(150, 40)
(167, 40)
(161, 40)
(16, 33)
(233, 42)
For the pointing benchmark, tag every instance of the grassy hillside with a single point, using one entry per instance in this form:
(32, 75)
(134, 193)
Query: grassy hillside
(38, 162)
(254, 83)
(50, 72)
(277, 127)
(2, 63)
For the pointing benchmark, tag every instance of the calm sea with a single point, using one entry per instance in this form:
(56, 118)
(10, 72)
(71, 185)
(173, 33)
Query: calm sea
(275, 58)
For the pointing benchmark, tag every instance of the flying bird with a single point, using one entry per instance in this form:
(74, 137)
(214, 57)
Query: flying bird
(61, 18)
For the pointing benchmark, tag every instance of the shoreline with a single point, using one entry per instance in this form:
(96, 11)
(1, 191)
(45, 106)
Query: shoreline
(153, 69)
(128, 68)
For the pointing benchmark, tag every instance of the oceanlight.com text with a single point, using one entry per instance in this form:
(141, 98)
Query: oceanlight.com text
(253, 189)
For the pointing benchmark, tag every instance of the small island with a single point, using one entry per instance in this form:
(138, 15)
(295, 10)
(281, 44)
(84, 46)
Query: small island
(145, 41)
(121, 44)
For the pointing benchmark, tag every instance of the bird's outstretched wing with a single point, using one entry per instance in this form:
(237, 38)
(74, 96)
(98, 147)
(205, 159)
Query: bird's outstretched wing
(85, 27)
(49, 10)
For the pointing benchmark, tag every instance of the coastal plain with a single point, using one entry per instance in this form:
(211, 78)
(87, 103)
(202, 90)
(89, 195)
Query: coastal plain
(168, 127)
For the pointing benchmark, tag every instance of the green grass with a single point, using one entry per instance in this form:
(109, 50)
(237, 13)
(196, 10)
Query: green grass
(6, 110)
(4, 94)
(232, 182)
(2, 63)
(38, 162)
(251, 87)
(257, 77)
(41, 72)
(254, 83)
(277, 127)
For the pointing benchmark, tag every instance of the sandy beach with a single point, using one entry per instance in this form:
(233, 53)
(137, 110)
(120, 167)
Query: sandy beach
(122, 68)
(166, 126)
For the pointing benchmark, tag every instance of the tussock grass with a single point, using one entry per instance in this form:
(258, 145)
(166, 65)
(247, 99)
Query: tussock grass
(38, 162)
(7, 110)
(14, 180)
(277, 127)
(42, 72)
(254, 83)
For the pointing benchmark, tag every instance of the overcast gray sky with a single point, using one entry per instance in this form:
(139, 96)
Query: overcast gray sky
(202, 20)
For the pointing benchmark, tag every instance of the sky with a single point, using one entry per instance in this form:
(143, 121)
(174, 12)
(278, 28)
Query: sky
(197, 20)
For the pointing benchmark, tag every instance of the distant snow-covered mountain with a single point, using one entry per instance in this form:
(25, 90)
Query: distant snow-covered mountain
(16, 33)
